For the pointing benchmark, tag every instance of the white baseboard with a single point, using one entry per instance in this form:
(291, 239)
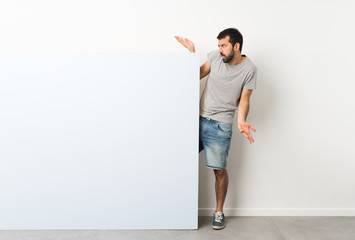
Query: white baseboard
(280, 211)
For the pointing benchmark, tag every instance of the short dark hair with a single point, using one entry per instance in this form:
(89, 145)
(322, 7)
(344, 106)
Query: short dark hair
(234, 36)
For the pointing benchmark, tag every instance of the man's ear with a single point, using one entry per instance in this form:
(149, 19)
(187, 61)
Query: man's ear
(236, 46)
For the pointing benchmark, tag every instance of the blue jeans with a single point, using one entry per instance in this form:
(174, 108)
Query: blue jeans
(215, 138)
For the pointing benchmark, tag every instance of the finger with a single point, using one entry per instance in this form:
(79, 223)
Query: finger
(252, 128)
(246, 135)
(251, 137)
(178, 39)
(183, 41)
(186, 41)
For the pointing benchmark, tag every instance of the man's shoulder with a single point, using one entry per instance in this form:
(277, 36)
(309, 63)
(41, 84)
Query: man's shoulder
(213, 55)
(250, 64)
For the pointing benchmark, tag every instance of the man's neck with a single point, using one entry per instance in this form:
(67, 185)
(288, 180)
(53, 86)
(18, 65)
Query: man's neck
(237, 59)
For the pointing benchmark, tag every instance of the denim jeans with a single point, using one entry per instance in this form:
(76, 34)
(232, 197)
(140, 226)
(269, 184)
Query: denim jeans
(215, 138)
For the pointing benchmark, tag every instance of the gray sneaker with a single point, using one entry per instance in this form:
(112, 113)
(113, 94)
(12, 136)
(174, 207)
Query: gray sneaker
(218, 221)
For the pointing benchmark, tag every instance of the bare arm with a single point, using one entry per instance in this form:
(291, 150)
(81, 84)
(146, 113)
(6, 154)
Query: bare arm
(243, 110)
(204, 70)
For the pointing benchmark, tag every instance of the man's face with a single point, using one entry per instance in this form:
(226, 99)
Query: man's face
(225, 49)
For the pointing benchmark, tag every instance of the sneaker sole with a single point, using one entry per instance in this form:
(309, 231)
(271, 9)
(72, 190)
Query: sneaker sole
(218, 227)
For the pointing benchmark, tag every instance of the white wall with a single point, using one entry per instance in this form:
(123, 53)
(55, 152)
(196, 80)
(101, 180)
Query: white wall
(303, 159)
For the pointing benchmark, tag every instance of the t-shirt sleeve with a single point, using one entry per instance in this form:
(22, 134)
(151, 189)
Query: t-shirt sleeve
(250, 81)
(211, 56)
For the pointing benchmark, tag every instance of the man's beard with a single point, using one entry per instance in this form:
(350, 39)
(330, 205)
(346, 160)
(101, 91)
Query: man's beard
(228, 58)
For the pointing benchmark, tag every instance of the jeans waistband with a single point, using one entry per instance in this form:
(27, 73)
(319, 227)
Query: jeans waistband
(207, 118)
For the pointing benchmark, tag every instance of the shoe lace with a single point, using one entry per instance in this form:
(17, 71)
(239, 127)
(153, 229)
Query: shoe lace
(218, 217)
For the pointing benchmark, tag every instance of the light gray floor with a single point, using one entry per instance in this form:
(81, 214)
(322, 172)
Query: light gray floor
(251, 228)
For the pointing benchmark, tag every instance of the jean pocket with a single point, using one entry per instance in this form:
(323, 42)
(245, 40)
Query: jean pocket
(225, 127)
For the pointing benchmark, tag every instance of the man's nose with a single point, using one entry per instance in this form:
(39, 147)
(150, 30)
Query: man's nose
(220, 50)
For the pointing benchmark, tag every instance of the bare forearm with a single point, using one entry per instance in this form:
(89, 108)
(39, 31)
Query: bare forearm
(243, 110)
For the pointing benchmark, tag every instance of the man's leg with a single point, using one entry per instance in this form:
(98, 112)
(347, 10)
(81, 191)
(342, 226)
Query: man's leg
(216, 138)
(221, 188)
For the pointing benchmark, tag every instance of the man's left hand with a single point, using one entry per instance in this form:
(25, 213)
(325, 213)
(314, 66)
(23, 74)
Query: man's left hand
(244, 128)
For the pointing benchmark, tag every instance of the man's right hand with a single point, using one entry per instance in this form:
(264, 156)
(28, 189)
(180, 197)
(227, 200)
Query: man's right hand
(186, 43)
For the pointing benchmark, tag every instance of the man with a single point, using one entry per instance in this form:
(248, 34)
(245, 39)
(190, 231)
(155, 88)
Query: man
(232, 78)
